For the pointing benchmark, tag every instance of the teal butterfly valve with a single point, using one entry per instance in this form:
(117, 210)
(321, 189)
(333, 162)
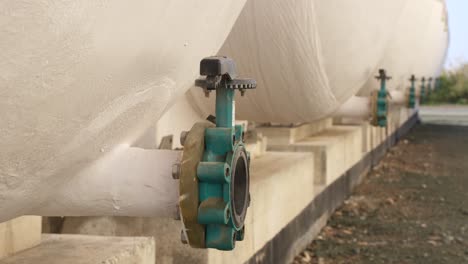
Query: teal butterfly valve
(380, 101)
(429, 87)
(214, 172)
(412, 93)
(422, 91)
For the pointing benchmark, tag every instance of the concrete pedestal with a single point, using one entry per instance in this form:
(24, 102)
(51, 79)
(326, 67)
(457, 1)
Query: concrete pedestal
(335, 149)
(19, 234)
(77, 249)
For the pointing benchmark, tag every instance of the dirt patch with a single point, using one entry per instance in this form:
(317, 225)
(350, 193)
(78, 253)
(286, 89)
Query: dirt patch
(412, 208)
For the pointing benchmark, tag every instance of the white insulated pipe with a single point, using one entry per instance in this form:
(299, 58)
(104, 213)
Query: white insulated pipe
(355, 107)
(397, 97)
(360, 106)
(132, 182)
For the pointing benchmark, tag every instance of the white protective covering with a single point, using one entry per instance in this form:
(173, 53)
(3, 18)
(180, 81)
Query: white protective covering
(419, 46)
(78, 78)
(308, 57)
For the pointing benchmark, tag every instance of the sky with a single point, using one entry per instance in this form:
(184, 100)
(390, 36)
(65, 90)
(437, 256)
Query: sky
(458, 24)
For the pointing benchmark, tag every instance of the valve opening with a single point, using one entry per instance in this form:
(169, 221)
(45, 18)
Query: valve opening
(240, 188)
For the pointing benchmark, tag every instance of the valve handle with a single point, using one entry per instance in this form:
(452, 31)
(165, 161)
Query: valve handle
(413, 78)
(383, 75)
(221, 71)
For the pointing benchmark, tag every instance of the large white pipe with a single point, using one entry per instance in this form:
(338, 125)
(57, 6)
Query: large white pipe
(130, 182)
(360, 106)
(397, 97)
(356, 107)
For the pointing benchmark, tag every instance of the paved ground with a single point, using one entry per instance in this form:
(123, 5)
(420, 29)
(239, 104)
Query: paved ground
(445, 115)
(412, 208)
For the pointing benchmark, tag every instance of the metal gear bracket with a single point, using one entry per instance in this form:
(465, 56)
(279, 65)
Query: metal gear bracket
(214, 173)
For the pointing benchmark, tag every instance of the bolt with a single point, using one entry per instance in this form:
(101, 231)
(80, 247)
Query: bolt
(183, 237)
(207, 92)
(228, 212)
(183, 137)
(177, 213)
(176, 171)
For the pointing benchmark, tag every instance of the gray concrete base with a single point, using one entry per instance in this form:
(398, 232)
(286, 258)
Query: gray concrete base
(78, 249)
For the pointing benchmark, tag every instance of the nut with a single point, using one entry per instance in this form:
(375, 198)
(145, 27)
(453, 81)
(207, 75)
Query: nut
(177, 213)
(176, 171)
(183, 237)
(183, 137)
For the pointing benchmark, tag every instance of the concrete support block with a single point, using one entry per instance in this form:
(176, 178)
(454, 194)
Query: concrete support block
(256, 144)
(289, 135)
(393, 120)
(19, 234)
(372, 137)
(281, 187)
(78, 249)
(405, 114)
(335, 149)
(275, 196)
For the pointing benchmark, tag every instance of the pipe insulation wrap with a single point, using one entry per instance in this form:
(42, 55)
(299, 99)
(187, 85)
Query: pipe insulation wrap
(398, 97)
(135, 182)
(78, 77)
(308, 57)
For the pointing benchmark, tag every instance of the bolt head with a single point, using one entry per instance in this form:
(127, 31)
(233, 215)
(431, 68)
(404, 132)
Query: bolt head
(183, 137)
(207, 93)
(183, 237)
(177, 213)
(176, 171)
